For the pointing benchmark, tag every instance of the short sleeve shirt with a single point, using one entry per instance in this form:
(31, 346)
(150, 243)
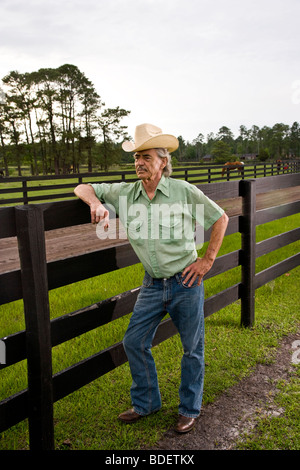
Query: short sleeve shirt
(161, 230)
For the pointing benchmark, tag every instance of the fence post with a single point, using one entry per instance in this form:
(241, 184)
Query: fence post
(31, 243)
(248, 232)
(25, 194)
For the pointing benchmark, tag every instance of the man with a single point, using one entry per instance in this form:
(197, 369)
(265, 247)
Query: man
(158, 213)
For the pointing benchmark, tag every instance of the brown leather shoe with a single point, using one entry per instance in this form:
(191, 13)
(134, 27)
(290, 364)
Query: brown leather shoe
(184, 424)
(129, 416)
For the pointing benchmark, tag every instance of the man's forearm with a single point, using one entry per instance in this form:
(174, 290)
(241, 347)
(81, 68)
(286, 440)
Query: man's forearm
(87, 194)
(202, 265)
(216, 238)
(98, 211)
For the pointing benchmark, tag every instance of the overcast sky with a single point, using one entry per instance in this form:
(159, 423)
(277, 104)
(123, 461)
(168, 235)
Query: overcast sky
(188, 66)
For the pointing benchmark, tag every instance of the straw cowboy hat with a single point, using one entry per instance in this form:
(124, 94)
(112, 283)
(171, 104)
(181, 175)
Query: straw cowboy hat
(147, 137)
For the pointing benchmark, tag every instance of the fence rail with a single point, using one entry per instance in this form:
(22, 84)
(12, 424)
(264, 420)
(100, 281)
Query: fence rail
(36, 277)
(193, 174)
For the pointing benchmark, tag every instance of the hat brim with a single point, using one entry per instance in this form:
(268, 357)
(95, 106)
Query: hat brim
(166, 141)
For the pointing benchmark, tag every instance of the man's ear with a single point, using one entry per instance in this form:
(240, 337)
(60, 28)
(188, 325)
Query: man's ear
(165, 161)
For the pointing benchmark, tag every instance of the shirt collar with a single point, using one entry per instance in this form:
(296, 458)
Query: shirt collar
(162, 186)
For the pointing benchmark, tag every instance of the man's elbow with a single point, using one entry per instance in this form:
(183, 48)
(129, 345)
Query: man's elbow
(78, 189)
(222, 222)
(225, 219)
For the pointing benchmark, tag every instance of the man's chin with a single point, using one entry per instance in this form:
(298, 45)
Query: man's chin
(143, 175)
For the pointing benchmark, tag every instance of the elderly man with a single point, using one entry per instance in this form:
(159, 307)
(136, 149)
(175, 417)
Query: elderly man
(158, 212)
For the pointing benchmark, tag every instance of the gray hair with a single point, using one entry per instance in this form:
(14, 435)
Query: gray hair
(163, 153)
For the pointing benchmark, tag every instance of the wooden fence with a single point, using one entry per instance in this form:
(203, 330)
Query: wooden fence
(36, 277)
(193, 174)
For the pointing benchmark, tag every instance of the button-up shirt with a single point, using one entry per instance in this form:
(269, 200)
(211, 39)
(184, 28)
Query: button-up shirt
(161, 230)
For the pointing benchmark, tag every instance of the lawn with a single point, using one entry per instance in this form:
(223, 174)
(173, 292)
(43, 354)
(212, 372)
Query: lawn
(41, 184)
(87, 419)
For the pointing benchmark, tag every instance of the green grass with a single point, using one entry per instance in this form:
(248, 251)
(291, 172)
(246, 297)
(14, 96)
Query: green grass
(87, 419)
(215, 173)
(45, 192)
(277, 426)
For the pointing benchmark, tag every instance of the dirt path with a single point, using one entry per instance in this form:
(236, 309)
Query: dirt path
(223, 422)
(71, 241)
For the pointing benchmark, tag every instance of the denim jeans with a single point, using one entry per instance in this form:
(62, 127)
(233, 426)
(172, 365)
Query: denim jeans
(185, 307)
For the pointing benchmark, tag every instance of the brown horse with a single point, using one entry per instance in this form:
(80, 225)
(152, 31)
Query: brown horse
(278, 162)
(231, 166)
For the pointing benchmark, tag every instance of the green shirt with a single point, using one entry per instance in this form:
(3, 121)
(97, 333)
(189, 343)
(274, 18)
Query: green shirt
(161, 230)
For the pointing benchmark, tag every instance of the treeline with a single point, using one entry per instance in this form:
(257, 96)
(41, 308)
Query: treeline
(267, 143)
(53, 121)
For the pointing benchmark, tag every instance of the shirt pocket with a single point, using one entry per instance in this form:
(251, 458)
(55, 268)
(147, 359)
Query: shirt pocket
(136, 231)
(171, 230)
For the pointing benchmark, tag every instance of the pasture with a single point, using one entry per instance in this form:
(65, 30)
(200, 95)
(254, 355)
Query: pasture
(86, 419)
(15, 190)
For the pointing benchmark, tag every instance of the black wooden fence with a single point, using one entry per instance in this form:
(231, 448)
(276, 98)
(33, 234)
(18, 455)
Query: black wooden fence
(36, 277)
(193, 174)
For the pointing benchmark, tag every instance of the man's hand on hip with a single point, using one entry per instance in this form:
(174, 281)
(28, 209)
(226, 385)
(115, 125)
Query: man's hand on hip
(202, 265)
(196, 270)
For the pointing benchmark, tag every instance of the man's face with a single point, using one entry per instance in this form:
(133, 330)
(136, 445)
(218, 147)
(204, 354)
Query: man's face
(148, 165)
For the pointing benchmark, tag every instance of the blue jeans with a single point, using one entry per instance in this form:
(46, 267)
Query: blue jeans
(185, 307)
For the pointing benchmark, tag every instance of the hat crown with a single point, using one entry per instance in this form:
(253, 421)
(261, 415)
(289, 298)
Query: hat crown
(148, 136)
(144, 132)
